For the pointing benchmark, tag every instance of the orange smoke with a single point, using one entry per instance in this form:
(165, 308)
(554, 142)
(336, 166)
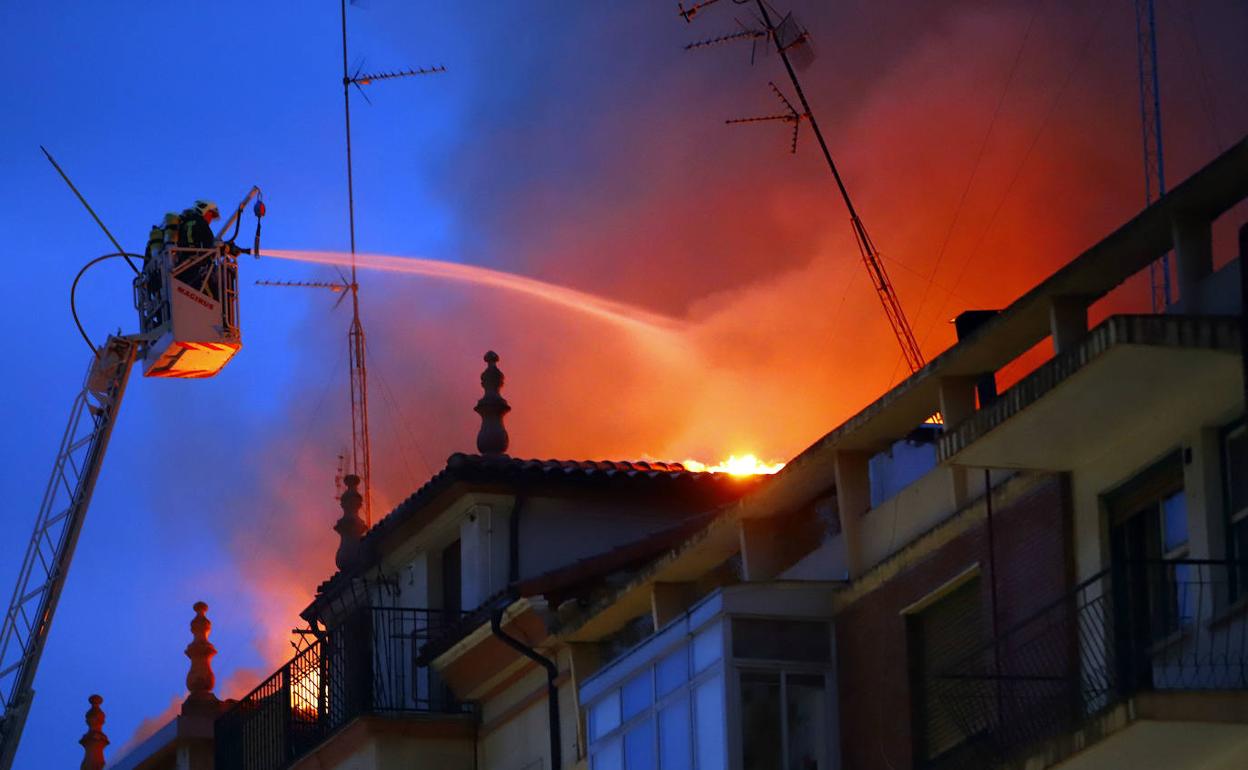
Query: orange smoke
(634, 195)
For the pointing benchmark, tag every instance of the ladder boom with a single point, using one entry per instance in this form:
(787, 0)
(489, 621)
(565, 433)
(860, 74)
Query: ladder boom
(51, 548)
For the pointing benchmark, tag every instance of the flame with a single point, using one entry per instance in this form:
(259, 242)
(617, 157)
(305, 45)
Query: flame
(743, 465)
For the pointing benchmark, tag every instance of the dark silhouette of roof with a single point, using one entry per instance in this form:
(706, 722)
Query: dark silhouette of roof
(639, 479)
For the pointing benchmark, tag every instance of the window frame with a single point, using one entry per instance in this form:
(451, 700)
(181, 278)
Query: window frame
(1234, 520)
(735, 667)
(658, 702)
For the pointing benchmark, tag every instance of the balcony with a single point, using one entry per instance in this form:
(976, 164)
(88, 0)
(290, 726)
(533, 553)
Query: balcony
(366, 666)
(1136, 655)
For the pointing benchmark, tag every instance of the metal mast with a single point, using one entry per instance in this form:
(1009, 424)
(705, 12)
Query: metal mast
(361, 460)
(1150, 128)
(784, 37)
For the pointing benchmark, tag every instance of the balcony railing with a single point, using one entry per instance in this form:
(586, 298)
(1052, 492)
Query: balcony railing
(1140, 626)
(366, 665)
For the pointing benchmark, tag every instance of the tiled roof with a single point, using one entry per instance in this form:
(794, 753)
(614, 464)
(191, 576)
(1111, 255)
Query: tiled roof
(638, 477)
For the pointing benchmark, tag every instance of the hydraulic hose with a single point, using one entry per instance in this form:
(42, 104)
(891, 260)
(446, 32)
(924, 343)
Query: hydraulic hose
(73, 288)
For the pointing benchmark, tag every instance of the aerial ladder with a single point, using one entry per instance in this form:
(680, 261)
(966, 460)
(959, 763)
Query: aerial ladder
(187, 301)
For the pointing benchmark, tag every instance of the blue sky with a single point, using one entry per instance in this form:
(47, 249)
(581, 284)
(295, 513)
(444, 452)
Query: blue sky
(568, 141)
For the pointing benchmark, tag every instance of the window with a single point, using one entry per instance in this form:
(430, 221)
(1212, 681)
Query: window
(798, 640)
(941, 635)
(781, 679)
(1235, 471)
(669, 715)
(1149, 545)
(452, 583)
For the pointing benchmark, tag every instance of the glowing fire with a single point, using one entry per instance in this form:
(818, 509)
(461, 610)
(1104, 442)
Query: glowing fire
(744, 465)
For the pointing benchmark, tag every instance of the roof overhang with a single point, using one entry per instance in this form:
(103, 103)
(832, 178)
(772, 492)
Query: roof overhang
(1133, 379)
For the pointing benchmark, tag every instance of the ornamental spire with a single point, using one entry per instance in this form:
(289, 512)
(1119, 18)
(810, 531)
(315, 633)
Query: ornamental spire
(350, 527)
(94, 741)
(200, 679)
(492, 439)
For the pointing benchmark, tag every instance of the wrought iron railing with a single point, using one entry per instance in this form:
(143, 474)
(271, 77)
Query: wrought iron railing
(365, 665)
(1154, 625)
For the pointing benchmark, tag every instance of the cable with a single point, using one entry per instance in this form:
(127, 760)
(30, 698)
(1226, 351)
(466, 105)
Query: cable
(73, 288)
(979, 157)
(1080, 55)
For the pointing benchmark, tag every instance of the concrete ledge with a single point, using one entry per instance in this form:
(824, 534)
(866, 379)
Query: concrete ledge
(1193, 707)
(1220, 333)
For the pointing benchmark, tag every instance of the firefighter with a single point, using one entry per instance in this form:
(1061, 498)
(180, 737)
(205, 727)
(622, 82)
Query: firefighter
(196, 233)
(196, 225)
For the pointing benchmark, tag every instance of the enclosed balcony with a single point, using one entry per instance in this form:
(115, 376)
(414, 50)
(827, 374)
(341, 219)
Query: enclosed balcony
(1143, 665)
(365, 668)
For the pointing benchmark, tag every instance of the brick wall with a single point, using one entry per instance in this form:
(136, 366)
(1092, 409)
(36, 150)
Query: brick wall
(1033, 560)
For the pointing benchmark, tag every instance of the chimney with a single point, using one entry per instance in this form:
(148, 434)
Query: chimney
(350, 527)
(492, 438)
(199, 679)
(94, 741)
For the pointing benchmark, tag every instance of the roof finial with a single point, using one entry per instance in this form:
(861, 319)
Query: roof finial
(94, 740)
(350, 527)
(200, 680)
(492, 438)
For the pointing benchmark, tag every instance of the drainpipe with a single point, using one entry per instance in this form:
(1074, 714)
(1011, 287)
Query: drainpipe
(552, 690)
(1243, 307)
(513, 551)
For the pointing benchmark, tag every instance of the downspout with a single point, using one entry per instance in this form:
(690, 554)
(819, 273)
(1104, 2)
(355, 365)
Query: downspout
(513, 550)
(1243, 307)
(496, 626)
(552, 690)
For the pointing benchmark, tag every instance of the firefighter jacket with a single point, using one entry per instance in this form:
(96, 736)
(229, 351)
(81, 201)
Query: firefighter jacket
(195, 231)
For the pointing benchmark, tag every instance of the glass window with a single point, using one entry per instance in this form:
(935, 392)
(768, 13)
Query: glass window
(1236, 465)
(1174, 522)
(609, 756)
(708, 714)
(673, 671)
(946, 711)
(761, 730)
(807, 720)
(639, 746)
(708, 645)
(604, 716)
(675, 736)
(638, 694)
(1235, 470)
(800, 640)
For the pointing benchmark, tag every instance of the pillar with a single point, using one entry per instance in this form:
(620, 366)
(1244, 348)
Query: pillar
(853, 500)
(1193, 256)
(1068, 322)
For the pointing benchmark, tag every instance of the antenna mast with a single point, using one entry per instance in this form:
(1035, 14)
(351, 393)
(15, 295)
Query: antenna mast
(784, 36)
(361, 461)
(1150, 129)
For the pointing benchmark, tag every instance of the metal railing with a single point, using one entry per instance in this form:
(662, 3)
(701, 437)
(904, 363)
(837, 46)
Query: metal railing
(366, 665)
(1139, 626)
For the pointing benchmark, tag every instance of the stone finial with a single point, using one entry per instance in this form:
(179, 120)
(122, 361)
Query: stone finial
(94, 740)
(492, 438)
(350, 527)
(200, 680)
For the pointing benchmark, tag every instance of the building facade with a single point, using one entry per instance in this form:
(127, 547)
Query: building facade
(1052, 575)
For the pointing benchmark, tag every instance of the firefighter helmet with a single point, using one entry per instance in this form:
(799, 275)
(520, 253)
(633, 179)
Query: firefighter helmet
(207, 209)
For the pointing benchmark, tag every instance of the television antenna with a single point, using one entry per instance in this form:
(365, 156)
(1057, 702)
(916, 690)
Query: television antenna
(359, 457)
(790, 115)
(792, 42)
(361, 461)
